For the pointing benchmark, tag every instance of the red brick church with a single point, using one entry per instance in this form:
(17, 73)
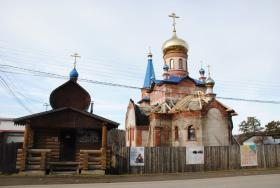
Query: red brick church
(177, 110)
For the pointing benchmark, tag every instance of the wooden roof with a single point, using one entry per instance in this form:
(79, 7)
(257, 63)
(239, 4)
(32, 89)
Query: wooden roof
(70, 94)
(70, 117)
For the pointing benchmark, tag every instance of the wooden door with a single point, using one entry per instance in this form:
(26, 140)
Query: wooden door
(67, 145)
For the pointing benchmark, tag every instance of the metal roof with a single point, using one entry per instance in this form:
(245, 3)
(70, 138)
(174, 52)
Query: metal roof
(176, 80)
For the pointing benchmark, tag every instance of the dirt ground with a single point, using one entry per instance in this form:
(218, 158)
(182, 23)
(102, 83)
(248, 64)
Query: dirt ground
(6, 180)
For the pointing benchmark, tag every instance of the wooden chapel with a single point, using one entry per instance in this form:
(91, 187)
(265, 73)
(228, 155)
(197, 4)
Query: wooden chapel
(66, 138)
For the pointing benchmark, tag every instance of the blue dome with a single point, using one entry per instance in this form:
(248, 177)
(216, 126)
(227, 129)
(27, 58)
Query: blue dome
(165, 67)
(74, 73)
(201, 71)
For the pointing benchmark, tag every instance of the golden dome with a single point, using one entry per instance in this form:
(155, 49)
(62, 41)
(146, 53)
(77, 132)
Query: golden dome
(174, 41)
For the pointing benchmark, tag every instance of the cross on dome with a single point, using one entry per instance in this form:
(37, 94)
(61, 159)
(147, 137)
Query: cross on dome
(174, 16)
(75, 56)
(74, 73)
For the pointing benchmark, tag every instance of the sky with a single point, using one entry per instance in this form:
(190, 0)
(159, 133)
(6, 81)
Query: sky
(239, 39)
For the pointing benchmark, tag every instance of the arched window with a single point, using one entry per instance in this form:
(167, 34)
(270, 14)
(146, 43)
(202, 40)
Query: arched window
(191, 133)
(176, 133)
(171, 63)
(180, 63)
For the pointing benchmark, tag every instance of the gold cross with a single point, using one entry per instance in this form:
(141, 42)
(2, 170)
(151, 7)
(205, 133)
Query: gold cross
(173, 16)
(75, 56)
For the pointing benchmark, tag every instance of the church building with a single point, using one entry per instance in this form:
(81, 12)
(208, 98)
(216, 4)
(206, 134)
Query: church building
(177, 110)
(67, 137)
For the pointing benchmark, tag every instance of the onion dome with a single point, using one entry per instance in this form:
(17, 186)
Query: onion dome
(201, 71)
(210, 82)
(165, 67)
(74, 74)
(174, 41)
(70, 94)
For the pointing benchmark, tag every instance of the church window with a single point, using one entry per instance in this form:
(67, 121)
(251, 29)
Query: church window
(176, 134)
(191, 133)
(171, 63)
(180, 63)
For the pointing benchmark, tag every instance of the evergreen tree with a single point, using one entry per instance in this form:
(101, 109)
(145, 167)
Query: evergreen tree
(273, 127)
(252, 125)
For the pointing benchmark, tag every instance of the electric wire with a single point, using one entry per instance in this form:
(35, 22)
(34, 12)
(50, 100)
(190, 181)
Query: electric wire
(53, 75)
(11, 92)
(114, 70)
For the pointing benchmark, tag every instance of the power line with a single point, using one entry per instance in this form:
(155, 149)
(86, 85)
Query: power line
(16, 90)
(108, 70)
(249, 100)
(52, 75)
(11, 92)
(99, 71)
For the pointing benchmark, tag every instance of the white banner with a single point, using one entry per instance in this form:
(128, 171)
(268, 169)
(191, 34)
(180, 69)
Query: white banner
(248, 154)
(137, 156)
(195, 155)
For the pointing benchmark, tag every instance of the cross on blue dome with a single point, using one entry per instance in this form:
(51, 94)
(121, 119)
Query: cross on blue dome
(74, 73)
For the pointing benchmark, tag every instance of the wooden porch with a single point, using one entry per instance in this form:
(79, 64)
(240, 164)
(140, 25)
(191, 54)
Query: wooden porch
(45, 161)
(39, 161)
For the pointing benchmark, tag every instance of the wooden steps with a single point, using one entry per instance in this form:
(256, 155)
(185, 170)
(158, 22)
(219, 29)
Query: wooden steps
(38, 160)
(64, 166)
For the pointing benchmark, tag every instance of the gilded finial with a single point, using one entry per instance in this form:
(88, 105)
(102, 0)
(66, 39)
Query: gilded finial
(208, 66)
(75, 56)
(174, 16)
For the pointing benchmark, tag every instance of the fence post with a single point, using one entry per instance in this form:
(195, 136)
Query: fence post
(264, 158)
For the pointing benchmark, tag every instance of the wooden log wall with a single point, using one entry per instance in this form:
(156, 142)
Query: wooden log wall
(48, 139)
(85, 146)
(37, 159)
(90, 159)
(173, 159)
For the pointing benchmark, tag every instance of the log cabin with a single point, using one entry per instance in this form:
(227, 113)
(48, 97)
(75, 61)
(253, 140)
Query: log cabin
(66, 138)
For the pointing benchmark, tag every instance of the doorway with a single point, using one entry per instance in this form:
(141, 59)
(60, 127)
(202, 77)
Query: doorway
(67, 145)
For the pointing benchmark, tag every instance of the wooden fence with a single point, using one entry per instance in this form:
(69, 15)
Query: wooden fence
(166, 159)
(8, 154)
(173, 159)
